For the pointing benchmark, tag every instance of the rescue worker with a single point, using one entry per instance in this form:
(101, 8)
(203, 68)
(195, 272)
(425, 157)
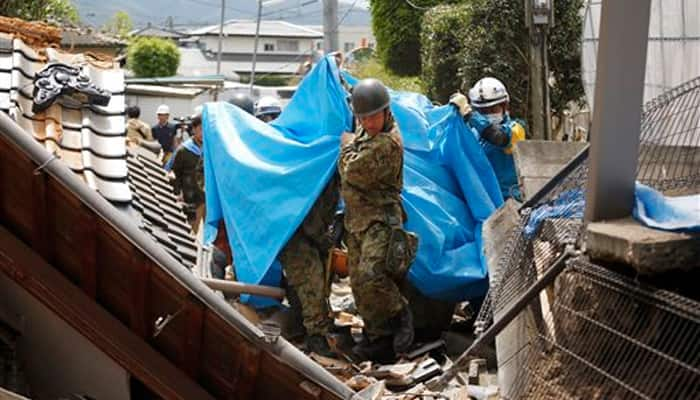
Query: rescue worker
(268, 108)
(496, 130)
(136, 130)
(303, 261)
(244, 102)
(379, 249)
(164, 131)
(185, 166)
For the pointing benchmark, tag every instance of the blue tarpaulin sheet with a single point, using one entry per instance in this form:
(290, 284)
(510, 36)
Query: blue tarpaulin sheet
(263, 179)
(652, 208)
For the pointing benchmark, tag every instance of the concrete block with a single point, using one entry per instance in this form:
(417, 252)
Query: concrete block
(537, 161)
(648, 251)
(495, 233)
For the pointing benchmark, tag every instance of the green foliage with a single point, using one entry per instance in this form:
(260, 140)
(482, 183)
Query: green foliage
(151, 57)
(119, 25)
(55, 11)
(492, 40)
(441, 48)
(372, 68)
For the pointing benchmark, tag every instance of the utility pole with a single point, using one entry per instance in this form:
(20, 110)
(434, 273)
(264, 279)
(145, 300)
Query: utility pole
(330, 25)
(221, 38)
(255, 46)
(539, 17)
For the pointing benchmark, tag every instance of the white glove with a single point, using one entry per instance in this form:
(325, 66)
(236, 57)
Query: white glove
(460, 101)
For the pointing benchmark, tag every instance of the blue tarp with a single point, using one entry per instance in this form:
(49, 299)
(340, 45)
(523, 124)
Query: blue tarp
(652, 208)
(263, 179)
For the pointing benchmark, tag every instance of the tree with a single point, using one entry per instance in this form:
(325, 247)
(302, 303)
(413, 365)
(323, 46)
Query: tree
(119, 25)
(150, 57)
(56, 11)
(491, 40)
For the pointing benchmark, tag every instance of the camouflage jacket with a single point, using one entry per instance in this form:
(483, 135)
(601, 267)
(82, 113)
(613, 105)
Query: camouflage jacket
(320, 217)
(371, 173)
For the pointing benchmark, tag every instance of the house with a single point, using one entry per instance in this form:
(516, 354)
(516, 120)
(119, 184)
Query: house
(156, 31)
(282, 47)
(349, 37)
(88, 40)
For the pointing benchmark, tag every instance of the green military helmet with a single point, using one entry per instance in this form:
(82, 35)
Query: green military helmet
(243, 101)
(369, 96)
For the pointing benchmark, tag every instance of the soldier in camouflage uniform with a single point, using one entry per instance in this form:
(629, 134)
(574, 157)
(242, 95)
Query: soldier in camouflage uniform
(379, 250)
(303, 261)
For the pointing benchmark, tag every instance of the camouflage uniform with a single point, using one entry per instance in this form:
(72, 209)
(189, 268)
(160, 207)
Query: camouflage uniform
(303, 260)
(379, 250)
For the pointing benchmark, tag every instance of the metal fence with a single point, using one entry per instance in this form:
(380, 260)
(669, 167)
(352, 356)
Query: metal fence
(595, 333)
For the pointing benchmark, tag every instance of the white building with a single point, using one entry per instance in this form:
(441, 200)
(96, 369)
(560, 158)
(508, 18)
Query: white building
(282, 47)
(349, 37)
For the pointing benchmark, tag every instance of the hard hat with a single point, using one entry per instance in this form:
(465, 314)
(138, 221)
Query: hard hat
(243, 101)
(369, 97)
(163, 109)
(488, 92)
(267, 105)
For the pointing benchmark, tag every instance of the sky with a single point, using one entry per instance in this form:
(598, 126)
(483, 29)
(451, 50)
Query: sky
(204, 12)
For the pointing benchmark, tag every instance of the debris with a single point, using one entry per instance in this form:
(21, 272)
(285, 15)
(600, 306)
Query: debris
(330, 363)
(342, 303)
(271, 330)
(395, 371)
(35, 34)
(482, 392)
(426, 349)
(476, 367)
(359, 382)
(373, 392)
(347, 319)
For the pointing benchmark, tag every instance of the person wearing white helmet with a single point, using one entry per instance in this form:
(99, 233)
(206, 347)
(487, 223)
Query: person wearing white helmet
(486, 112)
(268, 108)
(164, 131)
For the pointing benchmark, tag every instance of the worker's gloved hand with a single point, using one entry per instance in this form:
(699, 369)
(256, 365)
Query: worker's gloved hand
(495, 135)
(460, 101)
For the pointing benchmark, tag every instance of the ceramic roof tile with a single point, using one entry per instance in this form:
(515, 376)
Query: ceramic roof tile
(90, 139)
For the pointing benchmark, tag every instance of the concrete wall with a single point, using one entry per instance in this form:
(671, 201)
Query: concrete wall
(245, 44)
(57, 360)
(179, 106)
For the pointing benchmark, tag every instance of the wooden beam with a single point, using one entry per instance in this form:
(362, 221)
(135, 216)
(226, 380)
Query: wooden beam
(88, 255)
(138, 312)
(192, 346)
(41, 280)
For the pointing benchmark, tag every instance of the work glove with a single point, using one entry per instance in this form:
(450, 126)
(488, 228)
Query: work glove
(461, 103)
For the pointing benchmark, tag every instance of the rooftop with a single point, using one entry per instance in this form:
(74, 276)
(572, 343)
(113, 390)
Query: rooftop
(267, 28)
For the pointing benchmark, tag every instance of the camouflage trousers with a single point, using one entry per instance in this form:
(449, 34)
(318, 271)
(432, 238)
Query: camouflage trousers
(304, 267)
(377, 271)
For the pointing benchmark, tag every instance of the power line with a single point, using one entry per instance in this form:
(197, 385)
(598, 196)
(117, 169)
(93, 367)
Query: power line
(340, 22)
(416, 7)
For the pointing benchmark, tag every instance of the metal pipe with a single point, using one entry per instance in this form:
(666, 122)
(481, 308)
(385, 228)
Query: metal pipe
(221, 38)
(233, 287)
(509, 314)
(285, 351)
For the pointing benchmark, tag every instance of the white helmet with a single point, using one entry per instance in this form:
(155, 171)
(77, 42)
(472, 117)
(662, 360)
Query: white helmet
(163, 109)
(488, 92)
(267, 105)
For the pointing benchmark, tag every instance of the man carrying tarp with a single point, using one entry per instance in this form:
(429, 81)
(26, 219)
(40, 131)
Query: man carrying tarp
(379, 249)
(497, 131)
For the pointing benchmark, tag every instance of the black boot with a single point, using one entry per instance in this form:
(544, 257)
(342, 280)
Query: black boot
(402, 325)
(319, 345)
(378, 350)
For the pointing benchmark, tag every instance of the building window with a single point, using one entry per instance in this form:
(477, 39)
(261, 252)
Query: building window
(348, 46)
(269, 47)
(288, 45)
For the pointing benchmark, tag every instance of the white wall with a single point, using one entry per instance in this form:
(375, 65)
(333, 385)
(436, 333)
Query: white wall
(56, 359)
(244, 44)
(179, 106)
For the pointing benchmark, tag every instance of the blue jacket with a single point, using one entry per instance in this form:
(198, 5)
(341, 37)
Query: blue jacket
(500, 157)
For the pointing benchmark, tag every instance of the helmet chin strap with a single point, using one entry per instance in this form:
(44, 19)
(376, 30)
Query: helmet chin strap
(388, 120)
